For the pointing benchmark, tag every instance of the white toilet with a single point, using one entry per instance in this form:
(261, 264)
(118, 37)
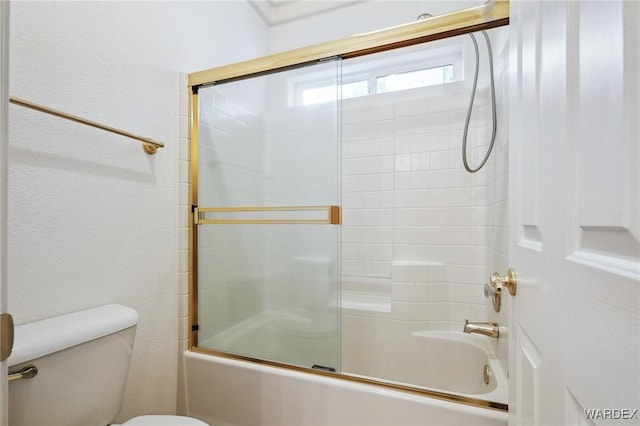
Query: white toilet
(83, 361)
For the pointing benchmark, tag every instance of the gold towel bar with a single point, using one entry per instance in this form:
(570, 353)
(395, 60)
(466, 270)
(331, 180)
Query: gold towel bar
(333, 215)
(150, 146)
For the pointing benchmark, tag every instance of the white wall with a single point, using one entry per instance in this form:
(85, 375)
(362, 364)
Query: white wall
(359, 18)
(93, 219)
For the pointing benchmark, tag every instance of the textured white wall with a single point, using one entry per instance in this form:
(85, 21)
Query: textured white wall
(94, 220)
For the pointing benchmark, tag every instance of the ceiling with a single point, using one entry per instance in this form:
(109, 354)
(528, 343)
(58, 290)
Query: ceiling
(275, 12)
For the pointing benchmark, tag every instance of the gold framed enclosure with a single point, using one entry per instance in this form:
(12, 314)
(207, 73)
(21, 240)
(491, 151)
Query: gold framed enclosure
(494, 13)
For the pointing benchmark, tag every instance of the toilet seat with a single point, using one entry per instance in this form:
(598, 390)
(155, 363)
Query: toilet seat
(163, 421)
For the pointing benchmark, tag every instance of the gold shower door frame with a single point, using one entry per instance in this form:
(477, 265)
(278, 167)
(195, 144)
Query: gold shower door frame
(492, 14)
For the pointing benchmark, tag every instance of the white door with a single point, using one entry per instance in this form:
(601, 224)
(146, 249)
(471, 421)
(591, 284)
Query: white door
(575, 212)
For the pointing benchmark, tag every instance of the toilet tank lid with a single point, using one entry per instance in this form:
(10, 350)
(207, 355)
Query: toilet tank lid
(47, 336)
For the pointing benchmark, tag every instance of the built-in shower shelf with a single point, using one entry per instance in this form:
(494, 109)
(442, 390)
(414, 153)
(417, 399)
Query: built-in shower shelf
(366, 292)
(366, 302)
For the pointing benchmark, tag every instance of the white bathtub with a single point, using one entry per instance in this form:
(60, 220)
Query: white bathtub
(446, 361)
(442, 361)
(224, 391)
(287, 337)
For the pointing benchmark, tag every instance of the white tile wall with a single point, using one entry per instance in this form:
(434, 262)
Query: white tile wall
(231, 173)
(184, 205)
(497, 243)
(444, 229)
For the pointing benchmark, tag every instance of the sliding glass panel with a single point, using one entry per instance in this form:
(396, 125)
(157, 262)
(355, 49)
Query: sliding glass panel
(268, 197)
(420, 233)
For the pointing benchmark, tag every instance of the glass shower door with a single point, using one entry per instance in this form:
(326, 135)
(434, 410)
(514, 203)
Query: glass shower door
(267, 217)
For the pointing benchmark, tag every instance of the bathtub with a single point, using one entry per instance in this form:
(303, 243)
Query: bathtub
(226, 391)
(289, 337)
(448, 361)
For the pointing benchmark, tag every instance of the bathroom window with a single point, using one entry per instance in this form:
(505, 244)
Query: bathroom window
(413, 67)
(414, 79)
(316, 95)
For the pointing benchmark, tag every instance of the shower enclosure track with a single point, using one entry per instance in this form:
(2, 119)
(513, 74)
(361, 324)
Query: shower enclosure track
(493, 13)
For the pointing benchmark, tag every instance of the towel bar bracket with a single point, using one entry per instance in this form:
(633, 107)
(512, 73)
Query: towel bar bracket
(28, 372)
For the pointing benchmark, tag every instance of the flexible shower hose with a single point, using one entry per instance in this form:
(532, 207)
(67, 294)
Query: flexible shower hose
(471, 100)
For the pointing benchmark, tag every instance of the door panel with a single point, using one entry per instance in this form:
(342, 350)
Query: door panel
(267, 212)
(575, 235)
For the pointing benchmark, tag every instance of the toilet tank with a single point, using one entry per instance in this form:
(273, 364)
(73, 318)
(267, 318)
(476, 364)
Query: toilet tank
(83, 362)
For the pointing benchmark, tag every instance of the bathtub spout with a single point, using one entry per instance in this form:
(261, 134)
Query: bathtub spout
(487, 328)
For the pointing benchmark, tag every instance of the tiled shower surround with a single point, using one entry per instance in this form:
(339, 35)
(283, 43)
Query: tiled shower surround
(418, 230)
(420, 234)
(412, 215)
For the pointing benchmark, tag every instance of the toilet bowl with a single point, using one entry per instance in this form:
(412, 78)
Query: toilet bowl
(163, 421)
(82, 362)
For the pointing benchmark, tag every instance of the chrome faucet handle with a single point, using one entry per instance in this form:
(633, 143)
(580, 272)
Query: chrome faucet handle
(491, 289)
(494, 288)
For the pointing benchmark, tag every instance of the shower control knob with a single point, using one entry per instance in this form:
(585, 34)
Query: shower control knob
(498, 282)
(509, 281)
(490, 290)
